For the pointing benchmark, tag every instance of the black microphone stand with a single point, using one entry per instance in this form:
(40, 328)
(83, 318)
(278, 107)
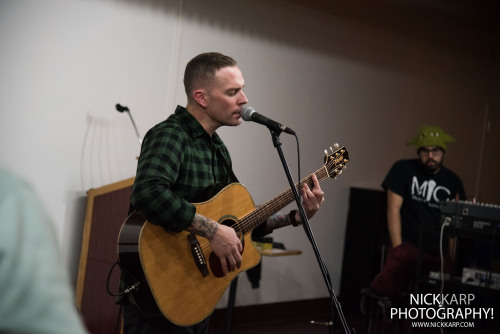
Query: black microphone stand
(305, 224)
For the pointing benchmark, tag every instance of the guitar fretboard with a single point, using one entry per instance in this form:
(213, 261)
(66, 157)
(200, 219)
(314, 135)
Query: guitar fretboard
(334, 165)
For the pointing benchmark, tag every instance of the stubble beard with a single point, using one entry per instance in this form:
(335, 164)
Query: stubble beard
(432, 168)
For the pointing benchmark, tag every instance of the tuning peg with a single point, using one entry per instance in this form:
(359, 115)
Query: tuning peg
(336, 146)
(326, 152)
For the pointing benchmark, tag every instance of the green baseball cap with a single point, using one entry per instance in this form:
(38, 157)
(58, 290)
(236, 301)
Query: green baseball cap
(431, 136)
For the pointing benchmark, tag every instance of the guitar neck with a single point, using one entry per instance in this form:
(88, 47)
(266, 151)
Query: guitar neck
(266, 210)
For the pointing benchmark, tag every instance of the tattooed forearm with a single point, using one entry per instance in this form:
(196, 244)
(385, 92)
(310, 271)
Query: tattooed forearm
(276, 221)
(203, 226)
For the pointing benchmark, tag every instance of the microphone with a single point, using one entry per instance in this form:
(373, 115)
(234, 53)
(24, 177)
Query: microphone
(248, 114)
(121, 108)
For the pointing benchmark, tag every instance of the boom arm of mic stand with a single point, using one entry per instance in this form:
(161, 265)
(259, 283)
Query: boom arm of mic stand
(307, 229)
(135, 127)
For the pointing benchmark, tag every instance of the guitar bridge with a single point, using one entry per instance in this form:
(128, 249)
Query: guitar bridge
(198, 256)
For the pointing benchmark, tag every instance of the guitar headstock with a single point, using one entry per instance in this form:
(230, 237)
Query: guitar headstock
(336, 160)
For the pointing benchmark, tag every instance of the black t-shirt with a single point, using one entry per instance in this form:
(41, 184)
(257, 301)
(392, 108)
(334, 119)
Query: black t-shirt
(422, 195)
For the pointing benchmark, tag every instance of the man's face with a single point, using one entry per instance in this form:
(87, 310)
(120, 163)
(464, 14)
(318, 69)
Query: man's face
(431, 157)
(225, 97)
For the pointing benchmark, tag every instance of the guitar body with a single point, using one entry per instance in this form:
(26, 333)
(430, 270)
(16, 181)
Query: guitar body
(182, 294)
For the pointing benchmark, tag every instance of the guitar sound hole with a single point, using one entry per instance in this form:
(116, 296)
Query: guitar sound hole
(213, 260)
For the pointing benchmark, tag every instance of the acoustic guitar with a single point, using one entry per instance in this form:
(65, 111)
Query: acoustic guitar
(176, 274)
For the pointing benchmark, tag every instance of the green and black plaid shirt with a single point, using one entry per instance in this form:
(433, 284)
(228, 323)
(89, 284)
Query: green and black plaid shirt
(179, 162)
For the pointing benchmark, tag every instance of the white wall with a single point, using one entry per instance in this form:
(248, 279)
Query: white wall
(65, 64)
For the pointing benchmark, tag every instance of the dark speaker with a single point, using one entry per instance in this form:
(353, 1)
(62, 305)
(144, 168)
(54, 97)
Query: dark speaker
(366, 235)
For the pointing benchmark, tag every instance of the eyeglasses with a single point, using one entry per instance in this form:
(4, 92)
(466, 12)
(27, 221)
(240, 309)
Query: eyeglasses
(436, 151)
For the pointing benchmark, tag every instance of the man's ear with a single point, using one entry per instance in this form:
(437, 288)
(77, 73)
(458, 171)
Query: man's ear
(200, 97)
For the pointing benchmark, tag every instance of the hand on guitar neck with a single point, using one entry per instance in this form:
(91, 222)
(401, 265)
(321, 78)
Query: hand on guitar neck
(311, 198)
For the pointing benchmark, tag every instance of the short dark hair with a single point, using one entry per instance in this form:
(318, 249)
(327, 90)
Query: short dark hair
(202, 68)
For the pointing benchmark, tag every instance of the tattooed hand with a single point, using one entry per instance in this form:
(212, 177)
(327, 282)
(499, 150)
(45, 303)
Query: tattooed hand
(223, 240)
